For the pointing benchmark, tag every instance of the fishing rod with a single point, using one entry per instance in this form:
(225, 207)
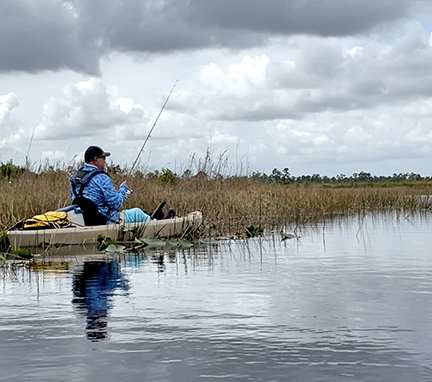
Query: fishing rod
(154, 124)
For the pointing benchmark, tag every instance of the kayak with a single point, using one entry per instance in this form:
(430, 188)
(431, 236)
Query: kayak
(82, 235)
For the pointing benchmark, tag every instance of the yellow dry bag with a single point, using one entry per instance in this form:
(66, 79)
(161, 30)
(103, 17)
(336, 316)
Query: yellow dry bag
(50, 219)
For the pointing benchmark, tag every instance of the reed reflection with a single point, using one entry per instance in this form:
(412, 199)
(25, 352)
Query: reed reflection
(93, 288)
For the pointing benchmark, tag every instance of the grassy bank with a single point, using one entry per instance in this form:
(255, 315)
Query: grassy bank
(230, 204)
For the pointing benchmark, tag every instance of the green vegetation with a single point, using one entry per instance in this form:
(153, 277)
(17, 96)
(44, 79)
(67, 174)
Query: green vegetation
(104, 242)
(167, 177)
(253, 231)
(9, 171)
(4, 242)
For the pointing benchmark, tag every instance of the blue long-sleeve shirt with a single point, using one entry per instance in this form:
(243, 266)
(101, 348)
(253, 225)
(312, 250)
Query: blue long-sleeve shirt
(101, 191)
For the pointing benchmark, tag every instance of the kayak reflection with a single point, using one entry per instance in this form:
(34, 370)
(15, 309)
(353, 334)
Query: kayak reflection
(93, 288)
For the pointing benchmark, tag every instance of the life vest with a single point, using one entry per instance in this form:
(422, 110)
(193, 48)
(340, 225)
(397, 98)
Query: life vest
(81, 178)
(91, 214)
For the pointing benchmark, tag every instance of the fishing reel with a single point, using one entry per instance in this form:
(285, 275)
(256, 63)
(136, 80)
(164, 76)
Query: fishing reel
(128, 192)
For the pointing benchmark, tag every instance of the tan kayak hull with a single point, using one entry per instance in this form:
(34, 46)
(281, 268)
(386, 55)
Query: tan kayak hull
(88, 235)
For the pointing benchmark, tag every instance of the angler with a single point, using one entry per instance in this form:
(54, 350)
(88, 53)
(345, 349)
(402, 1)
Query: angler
(94, 192)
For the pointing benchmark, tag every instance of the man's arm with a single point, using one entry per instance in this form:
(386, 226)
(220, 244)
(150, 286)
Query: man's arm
(113, 198)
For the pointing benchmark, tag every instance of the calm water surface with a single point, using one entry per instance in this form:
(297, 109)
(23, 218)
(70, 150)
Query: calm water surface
(348, 301)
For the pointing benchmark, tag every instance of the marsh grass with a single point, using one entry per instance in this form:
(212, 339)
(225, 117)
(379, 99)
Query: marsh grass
(229, 204)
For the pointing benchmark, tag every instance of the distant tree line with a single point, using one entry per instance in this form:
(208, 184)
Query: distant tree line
(284, 177)
(9, 171)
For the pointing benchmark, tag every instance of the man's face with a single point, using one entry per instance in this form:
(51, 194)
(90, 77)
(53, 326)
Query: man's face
(100, 162)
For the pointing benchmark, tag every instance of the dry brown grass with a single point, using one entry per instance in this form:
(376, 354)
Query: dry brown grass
(230, 204)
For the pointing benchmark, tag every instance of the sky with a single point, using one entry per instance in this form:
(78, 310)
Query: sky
(317, 86)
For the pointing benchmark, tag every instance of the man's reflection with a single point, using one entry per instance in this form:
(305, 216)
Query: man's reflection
(92, 290)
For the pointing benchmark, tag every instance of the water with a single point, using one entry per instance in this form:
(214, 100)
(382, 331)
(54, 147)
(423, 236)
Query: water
(348, 301)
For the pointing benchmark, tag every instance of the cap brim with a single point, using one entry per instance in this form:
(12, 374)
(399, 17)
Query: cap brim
(106, 154)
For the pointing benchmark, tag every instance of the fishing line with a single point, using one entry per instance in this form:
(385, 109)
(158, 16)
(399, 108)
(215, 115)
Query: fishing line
(154, 124)
(31, 141)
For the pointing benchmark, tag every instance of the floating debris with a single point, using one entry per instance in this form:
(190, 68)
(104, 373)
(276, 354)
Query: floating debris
(288, 236)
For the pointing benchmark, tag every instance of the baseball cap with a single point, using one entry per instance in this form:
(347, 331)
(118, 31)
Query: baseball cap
(94, 152)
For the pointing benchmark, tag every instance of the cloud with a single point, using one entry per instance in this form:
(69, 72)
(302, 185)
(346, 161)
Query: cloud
(324, 17)
(53, 157)
(11, 132)
(8, 102)
(319, 75)
(76, 34)
(335, 140)
(326, 101)
(86, 109)
(45, 36)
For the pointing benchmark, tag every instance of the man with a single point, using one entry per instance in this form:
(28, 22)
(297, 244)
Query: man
(93, 190)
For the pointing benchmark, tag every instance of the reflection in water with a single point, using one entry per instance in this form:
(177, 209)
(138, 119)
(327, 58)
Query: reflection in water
(93, 287)
(349, 301)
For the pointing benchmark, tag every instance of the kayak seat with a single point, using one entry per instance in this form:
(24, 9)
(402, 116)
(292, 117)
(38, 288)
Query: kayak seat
(91, 214)
(75, 214)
